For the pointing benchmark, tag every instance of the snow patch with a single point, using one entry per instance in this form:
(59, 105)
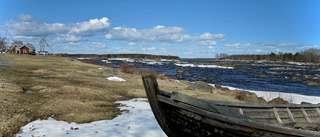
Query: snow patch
(136, 120)
(291, 97)
(123, 59)
(202, 66)
(115, 79)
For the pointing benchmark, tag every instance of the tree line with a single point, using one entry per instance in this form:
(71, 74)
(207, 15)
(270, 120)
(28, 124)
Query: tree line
(309, 55)
(141, 56)
(3, 43)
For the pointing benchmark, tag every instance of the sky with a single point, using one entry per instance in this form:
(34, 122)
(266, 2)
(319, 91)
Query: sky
(188, 28)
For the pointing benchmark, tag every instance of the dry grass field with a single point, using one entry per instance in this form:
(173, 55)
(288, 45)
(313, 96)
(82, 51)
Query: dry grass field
(73, 91)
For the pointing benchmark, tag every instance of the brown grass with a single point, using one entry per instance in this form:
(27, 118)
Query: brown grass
(66, 89)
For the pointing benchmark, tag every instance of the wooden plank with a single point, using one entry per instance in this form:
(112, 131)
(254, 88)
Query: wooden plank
(290, 115)
(240, 111)
(252, 105)
(176, 96)
(277, 116)
(160, 102)
(241, 122)
(305, 115)
(318, 111)
(151, 87)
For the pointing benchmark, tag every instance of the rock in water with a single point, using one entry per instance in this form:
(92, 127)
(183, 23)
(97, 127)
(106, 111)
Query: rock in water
(313, 84)
(199, 85)
(262, 76)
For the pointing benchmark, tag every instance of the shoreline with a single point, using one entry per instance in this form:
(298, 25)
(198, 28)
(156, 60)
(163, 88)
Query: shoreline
(291, 97)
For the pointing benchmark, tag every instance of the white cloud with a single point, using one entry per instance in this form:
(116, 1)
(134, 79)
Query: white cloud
(307, 47)
(238, 45)
(26, 26)
(223, 40)
(151, 48)
(211, 36)
(246, 45)
(28, 38)
(73, 48)
(74, 43)
(259, 50)
(90, 27)
(274, 44)
(160, 34)
(34, 28)
(68, 38)
(208, 42)
(24, 17)
(159, 27)
(163, 44)
(210, 47)
(233, 45)
(132, 43)
(99, 44)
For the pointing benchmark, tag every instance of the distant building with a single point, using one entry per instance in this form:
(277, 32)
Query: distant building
(17, 47)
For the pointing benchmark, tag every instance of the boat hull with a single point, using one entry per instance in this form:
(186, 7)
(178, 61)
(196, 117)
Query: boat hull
(182, 119)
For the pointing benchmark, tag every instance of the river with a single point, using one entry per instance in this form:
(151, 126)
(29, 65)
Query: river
(285, 77)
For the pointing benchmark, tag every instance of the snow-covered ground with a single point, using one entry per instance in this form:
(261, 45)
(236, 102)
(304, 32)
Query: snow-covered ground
(136, 120)
(202, 66)
(115, 79)
(291, 97)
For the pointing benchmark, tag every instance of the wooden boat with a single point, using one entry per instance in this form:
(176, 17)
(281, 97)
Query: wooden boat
(180, 115)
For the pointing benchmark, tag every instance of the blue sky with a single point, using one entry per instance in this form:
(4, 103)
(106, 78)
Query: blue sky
(189, 28)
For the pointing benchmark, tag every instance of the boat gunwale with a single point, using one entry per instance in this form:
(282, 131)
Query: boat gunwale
(253, 105)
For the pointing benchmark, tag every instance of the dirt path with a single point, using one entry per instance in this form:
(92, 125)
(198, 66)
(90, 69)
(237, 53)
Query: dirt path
(5, 61)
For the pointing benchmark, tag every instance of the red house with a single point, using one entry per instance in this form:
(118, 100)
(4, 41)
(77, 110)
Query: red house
(22, 49)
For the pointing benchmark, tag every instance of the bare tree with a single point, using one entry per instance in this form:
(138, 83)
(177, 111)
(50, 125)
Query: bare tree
(311, 55)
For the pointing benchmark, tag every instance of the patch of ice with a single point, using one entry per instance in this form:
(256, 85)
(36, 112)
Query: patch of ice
(123, 59)
(137, 121)
(115, 79)
(202, 66)
(291, 97)
(83, 58)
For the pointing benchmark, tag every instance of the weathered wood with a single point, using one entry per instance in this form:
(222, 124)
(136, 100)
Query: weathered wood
(318, 111)
(290, 115)
(182, 115)
(305, 115)
(252, 105)
(176, 96)
(152, 90)
(240, 111)
(244, 123)
(277, 116)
